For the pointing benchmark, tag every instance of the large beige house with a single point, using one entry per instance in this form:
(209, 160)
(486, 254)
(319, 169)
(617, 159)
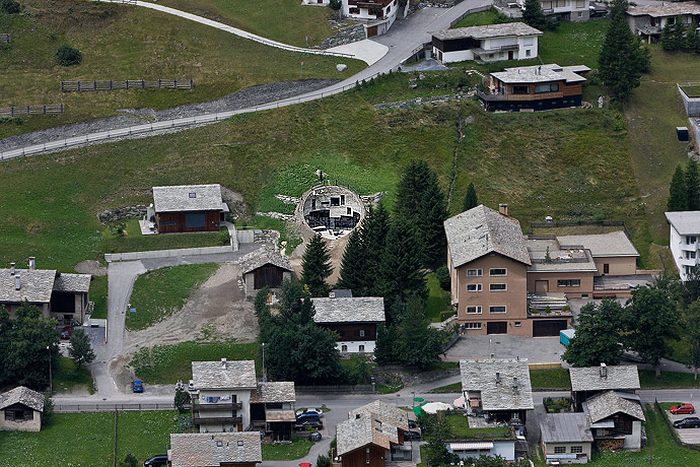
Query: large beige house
(504, 282)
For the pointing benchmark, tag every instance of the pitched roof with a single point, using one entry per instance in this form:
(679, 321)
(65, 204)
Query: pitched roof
(349, 310)
(504, 383)
(229, 374)
(261, 257)
(685, 222)
(274, 392)
(36, 285)
(480, 231)
(359, 432)
(213, 449)
(607, 244)
(665, 9)
(565, 428)
(22, 395)
(607, 404)
(542, 74)
(387, 413)
(488, 31)
(590, 379)
(72, 282)
(187, 198)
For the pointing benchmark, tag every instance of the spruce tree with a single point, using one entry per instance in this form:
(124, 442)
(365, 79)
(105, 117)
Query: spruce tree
(353, 267)
(692, 180)
(533, 14)
(678, 192)
(622, 58)
(375, 237)
(416, 344)
(80, 348)
(316, 265)
(470, 199)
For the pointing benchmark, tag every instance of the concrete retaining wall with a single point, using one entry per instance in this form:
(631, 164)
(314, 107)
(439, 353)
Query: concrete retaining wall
(694, 128)
(246, 236)
(691, 104)
(138, 255)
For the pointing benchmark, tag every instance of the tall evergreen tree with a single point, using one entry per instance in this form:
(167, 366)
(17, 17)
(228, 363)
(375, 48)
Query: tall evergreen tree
(375, 238)
(353, 266)
(316, 267)
(470, 199)
(622, 58)
(692, 181)
(416, 344)
(678, 191)
(432, 230)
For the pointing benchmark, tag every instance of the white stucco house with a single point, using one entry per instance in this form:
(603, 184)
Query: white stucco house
(378, 15)
(648, 21)
(488, 43)
(353, 319)
(563, 10)
(315, 2)
(684, 232)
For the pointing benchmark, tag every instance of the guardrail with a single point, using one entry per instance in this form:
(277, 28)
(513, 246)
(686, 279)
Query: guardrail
(97, 407)
(144, 129)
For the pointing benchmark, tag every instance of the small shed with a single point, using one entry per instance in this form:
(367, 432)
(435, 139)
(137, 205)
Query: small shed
(264, 268)
(21, 409)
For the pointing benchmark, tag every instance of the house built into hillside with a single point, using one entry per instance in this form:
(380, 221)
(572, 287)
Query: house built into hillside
(489, 43)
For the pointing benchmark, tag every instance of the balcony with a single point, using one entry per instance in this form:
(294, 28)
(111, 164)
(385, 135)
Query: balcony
(198, 420)
(219, 406)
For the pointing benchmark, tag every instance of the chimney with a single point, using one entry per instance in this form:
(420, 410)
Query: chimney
(503, 209)
(18, 282)
(223, 363)
(515, 383)
(603, 370)
(32, 263)
(498, 377)
(12, 269)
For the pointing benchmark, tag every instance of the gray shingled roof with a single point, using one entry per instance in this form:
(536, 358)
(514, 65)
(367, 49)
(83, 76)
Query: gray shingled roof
(590, 379)
(22, 395)
(665, 9)
(542, 74)
(213, 449)
(685, 222)
(349, 310)
(274, 392)
(36, 285)
(359, 432)
(387, 413)
(480, 231)
(261, 257)
(72, 282)
(607, 404)
(565, 428)
(488, 31)
(187, 198)
(480, 375)
(608, 244)
(234, 374)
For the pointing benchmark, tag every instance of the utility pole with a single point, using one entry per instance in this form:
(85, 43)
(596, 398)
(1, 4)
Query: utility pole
(264, 375)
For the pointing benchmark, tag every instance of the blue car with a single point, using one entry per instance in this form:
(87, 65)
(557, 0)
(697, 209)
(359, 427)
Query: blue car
(137, 385)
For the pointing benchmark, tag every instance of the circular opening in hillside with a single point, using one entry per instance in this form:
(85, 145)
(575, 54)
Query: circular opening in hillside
(332, 211)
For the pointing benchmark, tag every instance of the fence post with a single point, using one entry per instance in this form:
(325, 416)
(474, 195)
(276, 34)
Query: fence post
(78, 85)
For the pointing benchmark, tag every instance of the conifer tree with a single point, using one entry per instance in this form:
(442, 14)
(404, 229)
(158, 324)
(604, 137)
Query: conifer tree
(375, 238)
(622, 57)
(353, 266)
(470, 199)
(533, 14)
(316, 264)
(692, 180)
(678, 192)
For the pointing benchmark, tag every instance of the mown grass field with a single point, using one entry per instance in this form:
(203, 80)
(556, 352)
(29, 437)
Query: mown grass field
(91, 436)
(69, 377)
(121, 42)
(132, 240)
(286, 21)
(159, 293)
(286, 452)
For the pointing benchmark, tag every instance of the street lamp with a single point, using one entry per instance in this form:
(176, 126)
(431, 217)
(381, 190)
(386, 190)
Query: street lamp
(264, 370)
(48, 347)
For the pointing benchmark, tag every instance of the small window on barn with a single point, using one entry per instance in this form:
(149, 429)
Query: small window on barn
(193, 195)
(219, 444)
(240, 443)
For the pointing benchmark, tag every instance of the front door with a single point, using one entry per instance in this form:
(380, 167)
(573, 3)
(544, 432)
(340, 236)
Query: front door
(541, 287)
(510, 55)
(496, 327)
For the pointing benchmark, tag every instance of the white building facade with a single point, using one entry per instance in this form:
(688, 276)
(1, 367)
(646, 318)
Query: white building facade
(489, 43)
(684, 233)
(378, 15)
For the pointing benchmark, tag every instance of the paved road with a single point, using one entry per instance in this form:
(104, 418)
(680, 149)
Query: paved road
(405, 37)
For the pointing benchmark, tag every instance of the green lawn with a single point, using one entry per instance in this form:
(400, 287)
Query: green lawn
(159, 293)
(447, 389)
(132, 240)
(438, 303)
(98, 294)
(166, 364)
(120, 42)
(286, 452)
(691, 90)
(459, 429)
(490, 16)
(143, 434)
(69, 377)
(283, 20)
(558, 378)
(555, 378)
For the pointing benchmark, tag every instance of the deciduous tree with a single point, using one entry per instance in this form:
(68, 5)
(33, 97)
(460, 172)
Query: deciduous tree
(80, 348)
(316, 265)
(598, 336)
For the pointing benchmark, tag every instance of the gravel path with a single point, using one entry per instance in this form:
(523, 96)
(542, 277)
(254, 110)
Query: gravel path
(248, 97)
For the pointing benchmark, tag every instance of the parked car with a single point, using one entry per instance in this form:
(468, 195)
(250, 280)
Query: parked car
(315, 436)
(309, 411)
(412, 435)
(161, 460)
(313, 416)
(137, 386)
(683, 409)
(687, 422)
(66, 332)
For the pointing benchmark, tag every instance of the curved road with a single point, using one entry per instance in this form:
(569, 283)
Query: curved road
(404, 38)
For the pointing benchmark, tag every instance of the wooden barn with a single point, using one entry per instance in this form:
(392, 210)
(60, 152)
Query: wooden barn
(188, 208)
(264, 268)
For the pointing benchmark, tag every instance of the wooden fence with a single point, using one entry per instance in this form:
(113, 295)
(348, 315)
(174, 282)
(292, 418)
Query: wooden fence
(110, 85)
(51, 109)
(5, 38)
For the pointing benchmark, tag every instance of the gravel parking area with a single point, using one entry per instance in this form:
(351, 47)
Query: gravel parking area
(535, 349)
(687, 435)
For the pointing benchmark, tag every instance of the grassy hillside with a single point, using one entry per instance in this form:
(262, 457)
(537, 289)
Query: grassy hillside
(121, 42)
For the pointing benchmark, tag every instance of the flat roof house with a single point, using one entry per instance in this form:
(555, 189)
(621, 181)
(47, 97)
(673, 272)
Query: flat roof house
(489, 43)
(187, 208)
(648, 21)
(264, 268)
(537, 87)
(353, 319)
(566, 438)
(21, 409)
(589, 381)
(242, 449)
(59, 295)
(684, 232)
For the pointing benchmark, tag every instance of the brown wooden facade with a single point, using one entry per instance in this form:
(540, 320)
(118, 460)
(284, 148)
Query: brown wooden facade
(353, 331)
(188, 221)
(367, 456)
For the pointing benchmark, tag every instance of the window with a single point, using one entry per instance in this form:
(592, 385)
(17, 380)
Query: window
(361, 348)
(343, 348)
(474, 273)
(497, 287)
(195, 220)
(606, 268)
(497, 309)
(498, 272)
(349, 211)
(342, 199)
(518, 324)
(528, 52)
(569, 283)
(192, 195)
(335, 201)
(547, 87)
(472, 325)
(690, 239)
(559, 449)
(580, 3)
(474, 310)
(529, 41)
(689, 255)
(546, 5)
(560, 3)
(579, 14)
(474, 288)
(362, 333)
(576, 449)
(520, 90)
(689, 270)
(219, 444)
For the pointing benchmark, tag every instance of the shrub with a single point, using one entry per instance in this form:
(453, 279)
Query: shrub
(10, 7)
(129, 461)
(68, 56)
(47, 415)
(443, 277)
(323, 461)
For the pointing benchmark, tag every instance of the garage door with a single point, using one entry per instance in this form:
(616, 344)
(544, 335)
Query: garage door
(550, 327)
(496, 327)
